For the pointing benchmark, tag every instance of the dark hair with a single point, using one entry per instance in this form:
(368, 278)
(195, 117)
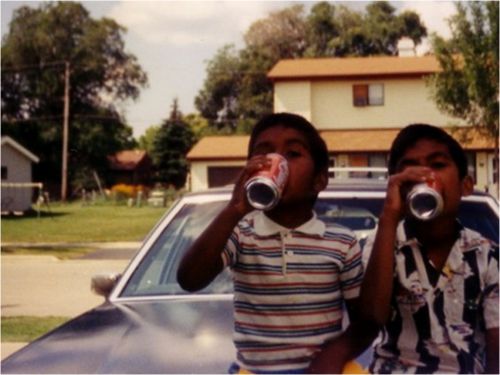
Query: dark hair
(317, 146)
(411, 134)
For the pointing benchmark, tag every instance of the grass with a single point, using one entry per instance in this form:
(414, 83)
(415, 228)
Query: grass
(28, 328)
(72, 222)
(58, 252)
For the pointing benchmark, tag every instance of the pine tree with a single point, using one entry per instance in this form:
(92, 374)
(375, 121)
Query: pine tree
(173, 141)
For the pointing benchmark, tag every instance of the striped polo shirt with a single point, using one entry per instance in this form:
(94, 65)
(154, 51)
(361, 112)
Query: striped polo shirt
(289, 288)
(438, 320)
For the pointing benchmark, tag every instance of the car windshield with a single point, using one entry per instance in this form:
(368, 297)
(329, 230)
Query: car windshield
(156, 274)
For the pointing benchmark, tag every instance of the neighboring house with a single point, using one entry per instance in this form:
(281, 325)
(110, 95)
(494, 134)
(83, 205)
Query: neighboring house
(216, 161)
(358, 105)
(17, 184)
(130, 167)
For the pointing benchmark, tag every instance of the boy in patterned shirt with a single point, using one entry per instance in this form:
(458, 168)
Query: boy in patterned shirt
(431, 285)
(291, 272)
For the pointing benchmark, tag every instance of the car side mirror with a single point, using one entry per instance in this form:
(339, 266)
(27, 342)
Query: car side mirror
(103, 283)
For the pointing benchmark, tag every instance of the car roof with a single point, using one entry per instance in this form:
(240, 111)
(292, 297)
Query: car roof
(337, 184)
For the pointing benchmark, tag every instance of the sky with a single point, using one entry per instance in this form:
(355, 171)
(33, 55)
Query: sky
(174, 40)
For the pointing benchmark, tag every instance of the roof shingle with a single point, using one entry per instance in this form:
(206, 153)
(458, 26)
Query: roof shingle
(354, 67)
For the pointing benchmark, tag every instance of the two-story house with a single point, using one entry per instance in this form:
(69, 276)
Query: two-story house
(358, 105)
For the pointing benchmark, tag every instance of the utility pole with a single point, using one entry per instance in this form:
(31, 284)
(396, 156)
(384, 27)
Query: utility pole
(64, 183)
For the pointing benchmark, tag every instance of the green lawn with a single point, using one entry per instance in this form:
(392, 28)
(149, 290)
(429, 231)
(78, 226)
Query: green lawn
(28, 328)
(73, 222)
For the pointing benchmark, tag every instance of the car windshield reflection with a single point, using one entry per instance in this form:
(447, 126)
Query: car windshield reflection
(156, 274)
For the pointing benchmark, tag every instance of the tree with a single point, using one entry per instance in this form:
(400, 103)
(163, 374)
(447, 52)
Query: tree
(146, 141)
(236, 92)
(467, 87)
(217, 100)
(321, 29)
(34, 53)
(173, 141)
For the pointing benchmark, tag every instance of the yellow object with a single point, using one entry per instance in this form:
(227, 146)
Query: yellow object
(354, 367)
(351, 367)
(243, 371)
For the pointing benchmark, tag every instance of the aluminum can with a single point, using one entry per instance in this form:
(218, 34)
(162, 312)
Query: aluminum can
(264, 188)
(424, 201)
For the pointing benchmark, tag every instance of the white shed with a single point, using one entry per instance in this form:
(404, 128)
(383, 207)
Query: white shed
(16, 176)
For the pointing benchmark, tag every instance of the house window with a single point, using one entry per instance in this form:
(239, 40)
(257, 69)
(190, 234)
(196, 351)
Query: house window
(332, 163)
(4, 173)
(368, 95)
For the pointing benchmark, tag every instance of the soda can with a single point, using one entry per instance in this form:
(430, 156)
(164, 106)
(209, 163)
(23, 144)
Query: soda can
(265, 187)
(424, 201)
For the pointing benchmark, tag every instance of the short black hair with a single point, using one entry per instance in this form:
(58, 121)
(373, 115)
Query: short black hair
(317, 146)
(413, 133)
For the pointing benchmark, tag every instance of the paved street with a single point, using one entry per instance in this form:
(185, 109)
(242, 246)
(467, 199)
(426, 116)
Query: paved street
(46, 286)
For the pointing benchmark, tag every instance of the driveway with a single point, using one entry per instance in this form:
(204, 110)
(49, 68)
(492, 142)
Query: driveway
(45, 286)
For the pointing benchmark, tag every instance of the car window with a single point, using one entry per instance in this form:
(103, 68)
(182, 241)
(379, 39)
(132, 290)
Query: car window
(157, 273)
(358, 214)
(480, 217)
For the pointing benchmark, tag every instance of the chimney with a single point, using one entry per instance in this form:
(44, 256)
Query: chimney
(406, 47)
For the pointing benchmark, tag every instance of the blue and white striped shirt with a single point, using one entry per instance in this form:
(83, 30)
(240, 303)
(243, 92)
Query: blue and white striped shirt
(290, 285)
(439, 328)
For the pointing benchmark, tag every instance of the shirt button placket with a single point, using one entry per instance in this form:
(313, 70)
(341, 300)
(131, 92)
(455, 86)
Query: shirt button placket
(284, 253)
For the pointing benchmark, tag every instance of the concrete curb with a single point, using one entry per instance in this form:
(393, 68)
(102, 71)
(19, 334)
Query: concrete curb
(97, 245)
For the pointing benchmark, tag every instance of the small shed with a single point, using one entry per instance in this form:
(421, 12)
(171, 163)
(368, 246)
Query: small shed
(17, 184)
(131, 167)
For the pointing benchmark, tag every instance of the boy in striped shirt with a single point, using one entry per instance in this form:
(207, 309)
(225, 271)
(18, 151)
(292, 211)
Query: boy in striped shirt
(291, 272)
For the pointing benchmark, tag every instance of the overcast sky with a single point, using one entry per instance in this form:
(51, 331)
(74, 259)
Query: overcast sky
(173, 40)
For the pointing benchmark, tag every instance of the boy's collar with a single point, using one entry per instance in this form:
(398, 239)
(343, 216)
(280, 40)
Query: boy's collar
(468, 240)
(264, 226)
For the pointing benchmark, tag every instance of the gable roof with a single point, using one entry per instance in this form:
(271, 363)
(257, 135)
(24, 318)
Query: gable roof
(354, 67)
(220, 148)
(6, 140)
(127, 160)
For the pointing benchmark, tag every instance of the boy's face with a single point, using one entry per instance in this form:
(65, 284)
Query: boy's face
(303, 183)
(436, 156)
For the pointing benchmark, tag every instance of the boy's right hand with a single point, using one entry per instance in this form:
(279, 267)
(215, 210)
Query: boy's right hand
(398, 187)
(239, 201)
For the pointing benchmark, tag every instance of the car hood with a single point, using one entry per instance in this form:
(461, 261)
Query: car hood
(175, 336)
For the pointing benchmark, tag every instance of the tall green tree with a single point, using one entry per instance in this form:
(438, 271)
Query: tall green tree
(467, 88)
(236, 91)
(39, 43)
(173, 141)
(146, 141)
(321, 28)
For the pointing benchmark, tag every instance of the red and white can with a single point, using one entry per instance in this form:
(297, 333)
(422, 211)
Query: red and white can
(264, 189)
(424, 201)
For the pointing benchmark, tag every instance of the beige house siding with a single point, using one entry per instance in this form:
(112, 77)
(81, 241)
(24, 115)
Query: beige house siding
(329, 104)
(296, 95)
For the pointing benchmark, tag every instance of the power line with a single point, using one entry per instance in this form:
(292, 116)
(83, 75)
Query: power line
(58, 117)
(20, 68)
